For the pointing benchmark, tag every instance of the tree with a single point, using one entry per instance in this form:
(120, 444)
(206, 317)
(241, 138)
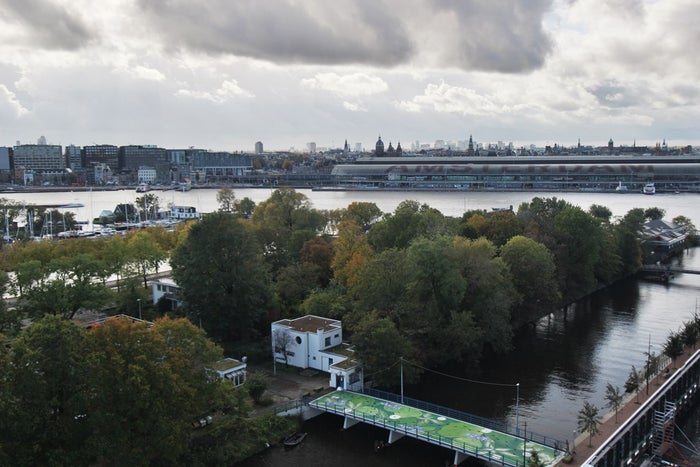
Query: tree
(633, 382)
(588, 421)
(145, 253)
(380, 346)
(226, 285)
(674, 346)
(534, 275)
(689, 228)
(600, 212)
(364, 214)
(148, 205)
(45, 394)
(352, 251)
(654, 213)
(614, 398)
(147, 384)
(245, 207)
(281, 340)
(226, 199)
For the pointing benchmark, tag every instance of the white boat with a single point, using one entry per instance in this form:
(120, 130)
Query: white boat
(143, 188)
(621, 188)
(649, 189)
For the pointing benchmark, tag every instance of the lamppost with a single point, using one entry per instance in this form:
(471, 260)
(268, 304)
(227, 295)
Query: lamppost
(139, 302)
(402, 379)
(517, 403)
(525, 444)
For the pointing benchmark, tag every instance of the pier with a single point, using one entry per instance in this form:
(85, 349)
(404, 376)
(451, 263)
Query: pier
(477, 438)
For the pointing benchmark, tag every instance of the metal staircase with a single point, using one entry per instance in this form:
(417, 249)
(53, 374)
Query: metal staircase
(664, 428)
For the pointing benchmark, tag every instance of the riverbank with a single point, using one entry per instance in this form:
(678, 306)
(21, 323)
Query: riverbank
(582, 450)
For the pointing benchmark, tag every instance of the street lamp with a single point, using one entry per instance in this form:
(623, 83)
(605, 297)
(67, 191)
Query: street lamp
(139, 301)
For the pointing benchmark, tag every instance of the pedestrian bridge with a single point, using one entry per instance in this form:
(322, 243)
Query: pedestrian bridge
(465, 438)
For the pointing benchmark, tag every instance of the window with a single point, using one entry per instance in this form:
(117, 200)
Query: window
(328, 341)
(337, 336)
(298, 340)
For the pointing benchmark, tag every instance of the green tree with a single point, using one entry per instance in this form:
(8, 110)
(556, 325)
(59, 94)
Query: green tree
(226, 199)
(654, 213)
(614, 398)
(45, 391)
(145, 253)
(363, 213)
(674, 346)
(282, 224)
(534, 275)
(600, 212)
(689, 228)
(588, 421)
(245, 207)
(148, 206)
(148, 383)
(352, 251)
(225, 286)
(633, 382)
(380, 346)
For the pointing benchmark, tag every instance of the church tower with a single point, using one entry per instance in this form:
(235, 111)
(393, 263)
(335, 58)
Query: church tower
(470, 150)
(379, 147)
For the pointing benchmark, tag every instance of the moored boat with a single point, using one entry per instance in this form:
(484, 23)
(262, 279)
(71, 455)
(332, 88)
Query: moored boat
(294, 439)
(649, 189)
(621, 188)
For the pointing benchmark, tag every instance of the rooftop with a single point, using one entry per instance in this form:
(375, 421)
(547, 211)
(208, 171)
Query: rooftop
(310, 323)
(226, 364)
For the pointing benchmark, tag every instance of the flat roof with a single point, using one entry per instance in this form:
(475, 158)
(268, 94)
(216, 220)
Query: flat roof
(226, 364)
(310, 323)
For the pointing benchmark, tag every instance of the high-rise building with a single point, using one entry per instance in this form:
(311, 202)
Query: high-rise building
(39, 157)
(41, 141)
(74, 157)
(131, 158)
(258, 147)
(96, 154)
(311, 147)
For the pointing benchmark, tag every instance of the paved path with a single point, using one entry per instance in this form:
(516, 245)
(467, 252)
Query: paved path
(582, 451)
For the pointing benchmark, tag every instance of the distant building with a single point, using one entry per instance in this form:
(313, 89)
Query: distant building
(74, 157)
(218, 166)
(43, 158)
(41, 141)
(184, 212)
(258, 147)
(131, 158)
(379, 147)
(107, 154)
(5, 154)
(311, 147)
(146, 174)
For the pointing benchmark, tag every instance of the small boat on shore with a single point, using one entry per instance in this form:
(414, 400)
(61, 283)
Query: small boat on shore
(294, 439)
(649, 189)
(621, 188)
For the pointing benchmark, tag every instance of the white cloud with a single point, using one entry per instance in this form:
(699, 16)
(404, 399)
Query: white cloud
(147, 73)
(229, 90)
(354, 107)
(453, 99)
(346, 86)
(11, 99)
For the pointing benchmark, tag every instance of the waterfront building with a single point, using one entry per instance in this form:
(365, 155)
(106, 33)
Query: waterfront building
(180, 167)
(146, 174)
(219, 166)
(669, 173)
(74, 157)
(40, 158)
(131, 158)
(107, 154)
(184, 212)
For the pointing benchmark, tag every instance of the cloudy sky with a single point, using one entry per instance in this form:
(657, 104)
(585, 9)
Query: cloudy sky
(222, 74)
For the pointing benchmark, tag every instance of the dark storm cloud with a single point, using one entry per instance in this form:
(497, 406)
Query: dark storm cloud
(491, 35)
(499, 35)
(283, 31)
(48, 24)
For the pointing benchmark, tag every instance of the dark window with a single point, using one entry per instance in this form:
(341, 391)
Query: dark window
(298, 339)
(328, 341)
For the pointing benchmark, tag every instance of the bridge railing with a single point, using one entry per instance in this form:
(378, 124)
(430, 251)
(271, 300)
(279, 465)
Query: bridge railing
(418, 433)
(466, 417)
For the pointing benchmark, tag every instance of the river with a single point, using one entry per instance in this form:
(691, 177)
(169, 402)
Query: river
(565, 360)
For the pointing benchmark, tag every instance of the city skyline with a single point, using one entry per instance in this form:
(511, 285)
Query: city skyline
(222, 75)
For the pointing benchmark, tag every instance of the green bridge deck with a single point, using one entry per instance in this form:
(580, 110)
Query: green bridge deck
(462, 437)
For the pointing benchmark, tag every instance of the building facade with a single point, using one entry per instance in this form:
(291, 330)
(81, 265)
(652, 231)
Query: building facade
(41, 158)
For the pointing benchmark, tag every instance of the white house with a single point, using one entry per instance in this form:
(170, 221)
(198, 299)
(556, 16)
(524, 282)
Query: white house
(166, 287)
(232, 369)
(184, 212)
(315, 342)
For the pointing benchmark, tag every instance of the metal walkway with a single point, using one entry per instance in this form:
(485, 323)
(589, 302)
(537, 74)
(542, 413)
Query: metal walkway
(465, 438)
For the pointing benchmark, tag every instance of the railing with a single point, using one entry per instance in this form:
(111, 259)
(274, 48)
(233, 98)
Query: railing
(418, 433)
(465, 417)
